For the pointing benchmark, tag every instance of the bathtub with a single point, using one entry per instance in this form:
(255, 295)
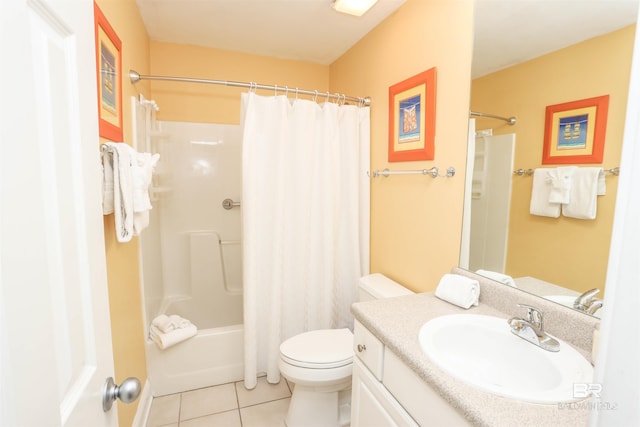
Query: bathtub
(214, 356)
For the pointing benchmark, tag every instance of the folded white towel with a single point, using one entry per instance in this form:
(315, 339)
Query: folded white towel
(498, 277)
(584, 193)
(459, 290)
(166, 340)
(540, 192)
(117, 160)
(560, 179)
(170, 323)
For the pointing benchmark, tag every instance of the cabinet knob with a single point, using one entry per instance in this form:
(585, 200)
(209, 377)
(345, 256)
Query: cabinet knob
(361, 348)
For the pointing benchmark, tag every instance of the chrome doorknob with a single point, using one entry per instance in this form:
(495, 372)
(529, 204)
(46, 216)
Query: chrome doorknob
(127, 392)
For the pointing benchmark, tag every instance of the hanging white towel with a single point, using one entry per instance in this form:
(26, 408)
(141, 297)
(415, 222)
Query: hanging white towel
(561, 180)
(459, 290)
(584, 193)
(117, 194)
(166, 340)
(602, 183)
(540, 192)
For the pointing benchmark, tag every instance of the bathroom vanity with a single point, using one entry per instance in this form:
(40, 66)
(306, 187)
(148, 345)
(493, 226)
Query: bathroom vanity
(395, 384)
(384, 390)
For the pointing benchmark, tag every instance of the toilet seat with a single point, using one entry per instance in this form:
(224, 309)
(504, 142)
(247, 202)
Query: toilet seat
(320, 349)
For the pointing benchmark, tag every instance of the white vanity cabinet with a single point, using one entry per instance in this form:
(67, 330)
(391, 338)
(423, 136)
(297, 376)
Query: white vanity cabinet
(386, 392)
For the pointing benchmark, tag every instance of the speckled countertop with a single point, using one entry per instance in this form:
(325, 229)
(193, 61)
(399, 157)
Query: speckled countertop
(397, 321)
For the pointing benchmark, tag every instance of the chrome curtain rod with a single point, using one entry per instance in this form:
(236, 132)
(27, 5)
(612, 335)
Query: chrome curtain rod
(510, 120)
(366, 101)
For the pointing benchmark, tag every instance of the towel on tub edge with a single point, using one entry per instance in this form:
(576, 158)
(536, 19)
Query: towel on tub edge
(167, 339)
(169, 323)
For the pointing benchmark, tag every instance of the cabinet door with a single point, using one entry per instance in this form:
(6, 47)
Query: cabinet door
(372, 405)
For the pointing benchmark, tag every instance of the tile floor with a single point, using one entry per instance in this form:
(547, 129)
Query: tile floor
(226, 405)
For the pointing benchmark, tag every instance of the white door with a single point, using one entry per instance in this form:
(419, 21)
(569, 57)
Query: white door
(55, 336)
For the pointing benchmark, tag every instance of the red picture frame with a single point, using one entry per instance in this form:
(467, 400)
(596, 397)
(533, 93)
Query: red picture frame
(412, 118)
(109, 74)
(575, 131)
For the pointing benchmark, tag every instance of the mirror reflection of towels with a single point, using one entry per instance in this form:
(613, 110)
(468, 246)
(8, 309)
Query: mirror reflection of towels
(561, 179)
(586, 186)
(540, 192)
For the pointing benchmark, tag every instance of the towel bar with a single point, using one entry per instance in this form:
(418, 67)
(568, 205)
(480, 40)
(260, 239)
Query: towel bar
(229, 204)
(613, 171)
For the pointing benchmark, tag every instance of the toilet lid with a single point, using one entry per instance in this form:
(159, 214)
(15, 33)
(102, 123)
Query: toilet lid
(321, 349)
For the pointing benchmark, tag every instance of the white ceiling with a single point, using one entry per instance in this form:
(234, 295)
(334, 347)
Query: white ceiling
(308, 30)
(506, 31)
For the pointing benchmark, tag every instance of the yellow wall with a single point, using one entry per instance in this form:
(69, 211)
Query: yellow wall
(191, 102)
(566, 251)
(123, 271)
(415, 220)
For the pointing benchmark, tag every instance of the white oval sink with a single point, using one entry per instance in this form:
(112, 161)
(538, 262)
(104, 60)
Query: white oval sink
(568, 301)
(482, 351)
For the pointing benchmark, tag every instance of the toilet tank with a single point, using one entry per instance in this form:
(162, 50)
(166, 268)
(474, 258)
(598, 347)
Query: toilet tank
(378, 286)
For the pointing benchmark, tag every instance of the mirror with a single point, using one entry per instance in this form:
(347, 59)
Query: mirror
(529, 55)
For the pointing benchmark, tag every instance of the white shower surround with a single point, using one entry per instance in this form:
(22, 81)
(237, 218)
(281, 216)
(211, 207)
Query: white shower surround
(191, 255)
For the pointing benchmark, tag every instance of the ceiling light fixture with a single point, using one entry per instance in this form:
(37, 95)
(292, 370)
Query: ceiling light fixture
(353, 7)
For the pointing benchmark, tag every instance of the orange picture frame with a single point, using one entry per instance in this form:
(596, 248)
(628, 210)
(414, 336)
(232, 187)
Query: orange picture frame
(575, 131)
(412, 118)
(109, 74)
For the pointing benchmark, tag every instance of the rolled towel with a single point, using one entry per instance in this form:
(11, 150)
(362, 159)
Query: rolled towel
(168, 339)
(498, 277)
(166, 323)
(163, 323)
(459, 290)
(179, 322)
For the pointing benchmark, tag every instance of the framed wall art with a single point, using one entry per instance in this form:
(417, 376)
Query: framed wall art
(109, 73)
(574, 131)
(412, 118)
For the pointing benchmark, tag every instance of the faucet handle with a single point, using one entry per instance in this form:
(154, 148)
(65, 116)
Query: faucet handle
(534, 316)
(583, 300)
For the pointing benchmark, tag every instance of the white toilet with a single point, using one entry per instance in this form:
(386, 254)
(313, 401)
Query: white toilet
(319, 363)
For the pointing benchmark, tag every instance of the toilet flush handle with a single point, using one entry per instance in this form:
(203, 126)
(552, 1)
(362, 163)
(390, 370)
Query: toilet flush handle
(361, 348)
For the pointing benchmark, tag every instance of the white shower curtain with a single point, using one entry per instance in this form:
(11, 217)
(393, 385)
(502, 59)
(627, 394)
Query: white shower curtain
(305, 209)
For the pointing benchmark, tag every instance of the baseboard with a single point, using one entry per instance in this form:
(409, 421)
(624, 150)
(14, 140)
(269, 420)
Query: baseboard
(144, 406)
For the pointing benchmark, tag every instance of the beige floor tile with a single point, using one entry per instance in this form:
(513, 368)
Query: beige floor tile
(270, 414)
(165, 410)
(208, 401)
(264, 392)
(223, 419)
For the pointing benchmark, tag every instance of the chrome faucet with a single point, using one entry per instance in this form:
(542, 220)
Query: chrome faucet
(595, 305)
(532, 329)
(587, 303)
